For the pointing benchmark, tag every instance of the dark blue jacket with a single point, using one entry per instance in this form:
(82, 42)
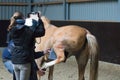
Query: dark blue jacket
(6, 54)
(23, 38)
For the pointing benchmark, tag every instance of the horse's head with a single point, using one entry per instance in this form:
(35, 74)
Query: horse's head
(46, 21)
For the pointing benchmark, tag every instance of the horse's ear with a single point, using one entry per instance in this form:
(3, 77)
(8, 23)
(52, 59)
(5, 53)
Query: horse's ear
(45, 19)
(42, 17)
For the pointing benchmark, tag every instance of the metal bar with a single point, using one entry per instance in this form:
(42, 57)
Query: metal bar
(64, 9)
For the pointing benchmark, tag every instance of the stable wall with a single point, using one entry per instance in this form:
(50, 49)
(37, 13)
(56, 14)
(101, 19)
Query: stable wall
(90, 10)
(94, 10)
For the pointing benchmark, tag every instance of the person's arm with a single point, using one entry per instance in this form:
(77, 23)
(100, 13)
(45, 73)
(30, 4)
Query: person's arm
(8, 37)
(38, 54)
(40, 30)
(36, 24)
(41, 53)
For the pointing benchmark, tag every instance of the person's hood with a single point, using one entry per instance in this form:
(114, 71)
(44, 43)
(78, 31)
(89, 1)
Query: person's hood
(20, 21)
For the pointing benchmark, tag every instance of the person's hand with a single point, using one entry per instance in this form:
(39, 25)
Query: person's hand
(46, 51)
(41, 72)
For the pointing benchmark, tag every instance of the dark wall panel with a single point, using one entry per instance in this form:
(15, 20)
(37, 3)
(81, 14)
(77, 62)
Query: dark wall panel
(3, 32)
(107, 34)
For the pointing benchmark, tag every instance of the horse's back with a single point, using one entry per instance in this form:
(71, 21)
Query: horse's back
(70, 31)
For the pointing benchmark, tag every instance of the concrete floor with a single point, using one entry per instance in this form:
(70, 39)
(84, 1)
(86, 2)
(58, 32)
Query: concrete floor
(68, 71)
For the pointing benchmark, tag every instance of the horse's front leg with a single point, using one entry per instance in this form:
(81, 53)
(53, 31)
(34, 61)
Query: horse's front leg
(60, 57)
(50, 74)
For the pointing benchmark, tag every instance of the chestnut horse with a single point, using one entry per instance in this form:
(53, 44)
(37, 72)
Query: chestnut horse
(66, 41)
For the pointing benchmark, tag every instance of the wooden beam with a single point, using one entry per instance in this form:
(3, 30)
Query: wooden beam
(60, 2)
(13, 4)
(47, 3)
(76, 1)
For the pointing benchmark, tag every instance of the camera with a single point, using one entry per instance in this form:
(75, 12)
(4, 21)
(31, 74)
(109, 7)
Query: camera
(34, 15)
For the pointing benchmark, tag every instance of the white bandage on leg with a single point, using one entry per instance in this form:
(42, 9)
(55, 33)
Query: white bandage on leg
(46, 65)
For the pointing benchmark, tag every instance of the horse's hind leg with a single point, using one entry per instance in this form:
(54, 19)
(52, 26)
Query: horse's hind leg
(50, 75)
(82, 60)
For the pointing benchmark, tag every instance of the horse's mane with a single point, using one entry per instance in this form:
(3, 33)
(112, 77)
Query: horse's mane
(45, 19)
(47, 22)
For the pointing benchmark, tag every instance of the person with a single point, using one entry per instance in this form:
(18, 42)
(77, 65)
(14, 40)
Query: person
(6, 58)
(23, 37)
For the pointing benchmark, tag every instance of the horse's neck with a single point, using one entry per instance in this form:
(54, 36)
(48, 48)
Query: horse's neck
(47, 26)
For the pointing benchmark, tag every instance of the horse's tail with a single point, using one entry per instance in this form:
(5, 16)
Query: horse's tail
(93, 49)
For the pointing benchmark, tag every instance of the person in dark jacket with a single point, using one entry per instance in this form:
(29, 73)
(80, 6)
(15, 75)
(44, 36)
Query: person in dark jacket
(23, 37)
(6, 58)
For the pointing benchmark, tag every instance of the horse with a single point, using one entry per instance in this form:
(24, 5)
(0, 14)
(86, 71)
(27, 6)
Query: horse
(66, 41)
